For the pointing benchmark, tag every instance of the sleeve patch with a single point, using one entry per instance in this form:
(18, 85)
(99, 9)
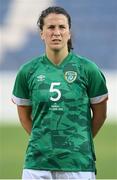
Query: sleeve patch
(98, 99)
(21, 101)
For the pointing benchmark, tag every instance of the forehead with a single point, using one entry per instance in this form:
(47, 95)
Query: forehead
(54, 19)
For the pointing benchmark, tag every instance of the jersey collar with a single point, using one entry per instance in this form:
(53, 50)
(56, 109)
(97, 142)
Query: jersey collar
(64, 61)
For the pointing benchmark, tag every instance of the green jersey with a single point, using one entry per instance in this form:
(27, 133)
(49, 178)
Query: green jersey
(60, 96)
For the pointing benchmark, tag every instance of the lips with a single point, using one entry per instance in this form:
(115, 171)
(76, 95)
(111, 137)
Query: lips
(56, 40)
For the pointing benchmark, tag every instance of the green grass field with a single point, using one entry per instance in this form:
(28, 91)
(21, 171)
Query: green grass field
(13, 142)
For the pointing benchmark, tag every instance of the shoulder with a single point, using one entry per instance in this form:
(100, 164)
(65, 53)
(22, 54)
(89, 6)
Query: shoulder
(30, 65)
(85, 63)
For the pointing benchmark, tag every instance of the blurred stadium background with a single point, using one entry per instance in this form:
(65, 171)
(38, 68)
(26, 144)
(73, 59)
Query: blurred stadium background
(94, 33)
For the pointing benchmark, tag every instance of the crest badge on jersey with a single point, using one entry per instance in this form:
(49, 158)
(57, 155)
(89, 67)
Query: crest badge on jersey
(70, 76)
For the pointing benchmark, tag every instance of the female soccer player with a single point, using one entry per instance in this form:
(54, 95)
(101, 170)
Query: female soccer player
(61, 101)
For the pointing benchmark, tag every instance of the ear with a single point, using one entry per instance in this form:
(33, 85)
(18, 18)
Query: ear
(41, 35)
(69, 34)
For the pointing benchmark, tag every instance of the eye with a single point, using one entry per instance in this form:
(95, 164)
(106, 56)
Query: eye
(51, 27)
(62, 27)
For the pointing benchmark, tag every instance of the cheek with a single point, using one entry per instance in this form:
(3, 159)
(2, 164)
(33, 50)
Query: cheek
(46, 36)
(67, 35)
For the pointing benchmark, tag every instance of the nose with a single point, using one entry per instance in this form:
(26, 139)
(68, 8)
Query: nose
(56, 31)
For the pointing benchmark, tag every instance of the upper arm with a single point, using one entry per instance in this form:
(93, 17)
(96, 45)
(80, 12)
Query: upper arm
(99, 116)
(96, 87)
(21, 94)
(24, 112)
(99, 110)
(21, 97)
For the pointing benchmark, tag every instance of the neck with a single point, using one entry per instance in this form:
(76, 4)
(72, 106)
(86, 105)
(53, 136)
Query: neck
(56, 56)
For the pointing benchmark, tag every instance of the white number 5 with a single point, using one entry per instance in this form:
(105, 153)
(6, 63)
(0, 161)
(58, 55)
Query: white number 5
(53, 89)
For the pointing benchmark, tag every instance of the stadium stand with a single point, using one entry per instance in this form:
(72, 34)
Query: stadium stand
(94, 30)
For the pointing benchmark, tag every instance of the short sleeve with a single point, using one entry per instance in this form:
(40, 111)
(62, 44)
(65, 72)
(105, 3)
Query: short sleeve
(20, 94)
(97, 89)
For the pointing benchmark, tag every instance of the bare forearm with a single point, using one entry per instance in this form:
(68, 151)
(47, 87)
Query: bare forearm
(96, 125)
(99, 116)
(27, 125)
(24, 113)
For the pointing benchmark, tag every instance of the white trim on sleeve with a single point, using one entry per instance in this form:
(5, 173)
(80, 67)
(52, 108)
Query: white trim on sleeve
(98, 99)
(21, 101)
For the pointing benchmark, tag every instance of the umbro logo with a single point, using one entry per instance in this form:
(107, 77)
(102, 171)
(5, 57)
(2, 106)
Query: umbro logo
(41, 77)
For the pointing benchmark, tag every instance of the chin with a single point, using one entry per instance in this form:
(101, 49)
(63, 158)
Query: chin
(56, 48)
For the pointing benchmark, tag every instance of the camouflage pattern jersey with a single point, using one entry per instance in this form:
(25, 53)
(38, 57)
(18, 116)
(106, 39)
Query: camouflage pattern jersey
(60, 96)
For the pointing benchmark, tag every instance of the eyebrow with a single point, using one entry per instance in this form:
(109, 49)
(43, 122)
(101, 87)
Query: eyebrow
(60, 25)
